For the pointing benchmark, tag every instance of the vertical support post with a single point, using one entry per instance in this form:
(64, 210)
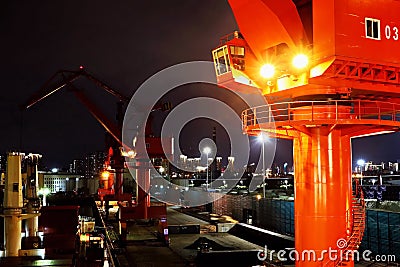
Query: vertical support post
(322, 160)
(207, 171)
(143, 186)
(263, 167)
(13, 205)
(32, 185)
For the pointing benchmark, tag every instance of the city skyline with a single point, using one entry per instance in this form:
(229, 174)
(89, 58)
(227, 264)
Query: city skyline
(123, 51)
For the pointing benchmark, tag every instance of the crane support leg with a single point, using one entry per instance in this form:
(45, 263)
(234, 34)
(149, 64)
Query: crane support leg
(323, 195)
(143, 186)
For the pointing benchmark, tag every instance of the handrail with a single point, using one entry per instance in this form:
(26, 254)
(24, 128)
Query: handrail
(226, 38)
(319, 110)
(113, 262)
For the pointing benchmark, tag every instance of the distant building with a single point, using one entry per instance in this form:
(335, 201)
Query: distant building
(3, 163)
(94, 163)
(77, 167)
(90, 166)
(371, 168)
(219, 163)
(60, 181)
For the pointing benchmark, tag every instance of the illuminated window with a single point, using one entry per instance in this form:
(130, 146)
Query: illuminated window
(221, 60)
(372, 28)
(237, 54)
(237, 51)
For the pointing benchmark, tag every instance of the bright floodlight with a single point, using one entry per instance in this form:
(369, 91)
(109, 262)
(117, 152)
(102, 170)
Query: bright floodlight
(360, 162)
(300, 61)
(44, 191)
(105, 174)
(267, 71)
(161, 169)
(262, 137)
(207, 150)
(54, 170)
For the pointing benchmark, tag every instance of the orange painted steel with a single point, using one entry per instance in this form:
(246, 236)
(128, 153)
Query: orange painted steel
(350, 88)
(323, 190)
(321, 133)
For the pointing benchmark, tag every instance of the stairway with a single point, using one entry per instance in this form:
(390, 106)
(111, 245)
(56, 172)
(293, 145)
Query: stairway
(353, 241)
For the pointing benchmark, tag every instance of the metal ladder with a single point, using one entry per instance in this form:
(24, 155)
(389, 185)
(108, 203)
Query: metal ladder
(353, 241)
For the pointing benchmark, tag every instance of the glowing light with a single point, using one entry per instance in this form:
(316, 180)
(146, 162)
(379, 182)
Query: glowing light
(267, 71)
(207, 150)
(262, 137)
(44, 191)
(360, 162)
(54, 170)
(161, 169)
(300, 61)
(105, 174)
(258, 197)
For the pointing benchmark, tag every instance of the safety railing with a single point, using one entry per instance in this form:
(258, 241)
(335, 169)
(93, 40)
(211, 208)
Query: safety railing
(226, 38)
(314, 111)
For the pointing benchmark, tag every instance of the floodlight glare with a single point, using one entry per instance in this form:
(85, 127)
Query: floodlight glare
(207, 150)
(262, 137)
(300, 61)
(267, 71)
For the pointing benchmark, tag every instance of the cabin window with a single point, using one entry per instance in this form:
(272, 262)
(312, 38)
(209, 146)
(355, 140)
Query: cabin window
(221, 60)
(226, 55)
(238, 53)
(372, 28)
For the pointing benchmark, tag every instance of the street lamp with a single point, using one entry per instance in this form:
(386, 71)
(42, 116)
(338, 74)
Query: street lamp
(361, 163)
(44, 192)
(162, 170)
(263, 138)
(207, 151)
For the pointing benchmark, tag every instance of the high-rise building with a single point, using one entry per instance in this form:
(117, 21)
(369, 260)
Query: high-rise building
(3, 163)
(94, 163)
(77, 167)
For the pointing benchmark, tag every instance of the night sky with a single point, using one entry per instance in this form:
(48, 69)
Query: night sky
(122, 43)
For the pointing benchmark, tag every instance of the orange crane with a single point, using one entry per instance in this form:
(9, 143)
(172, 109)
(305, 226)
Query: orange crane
(65, 78)
(329, 71)
(112, 181)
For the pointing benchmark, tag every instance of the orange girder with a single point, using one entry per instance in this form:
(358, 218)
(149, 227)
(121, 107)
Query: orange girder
(266, 23)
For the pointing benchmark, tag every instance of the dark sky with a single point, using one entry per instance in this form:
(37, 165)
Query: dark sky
(120, 42)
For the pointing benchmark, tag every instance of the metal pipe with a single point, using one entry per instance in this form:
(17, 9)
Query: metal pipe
(32, 185)
(13, 205)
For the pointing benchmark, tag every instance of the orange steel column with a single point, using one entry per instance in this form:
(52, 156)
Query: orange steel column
(322, 161)
(143, 186)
